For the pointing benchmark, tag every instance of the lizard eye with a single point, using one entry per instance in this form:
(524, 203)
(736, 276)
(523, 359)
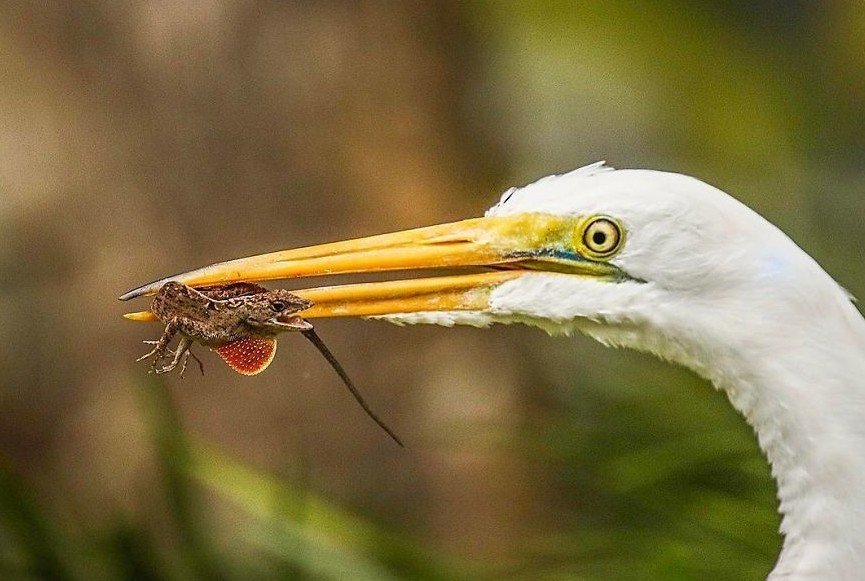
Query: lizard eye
(277, 306)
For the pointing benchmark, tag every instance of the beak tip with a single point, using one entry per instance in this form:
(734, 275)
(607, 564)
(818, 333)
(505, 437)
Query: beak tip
(134, 293)
(148, 288)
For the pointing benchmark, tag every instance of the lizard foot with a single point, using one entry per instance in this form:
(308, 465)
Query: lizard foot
(164, 368)
(182, 351)
(158, 353)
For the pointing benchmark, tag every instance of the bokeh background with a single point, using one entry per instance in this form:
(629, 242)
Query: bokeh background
(139, 139)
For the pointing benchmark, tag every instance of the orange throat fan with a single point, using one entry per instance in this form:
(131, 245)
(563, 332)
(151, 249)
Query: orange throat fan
(248, 355)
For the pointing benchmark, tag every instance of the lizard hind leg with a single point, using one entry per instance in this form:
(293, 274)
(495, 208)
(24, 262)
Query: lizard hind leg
(197, 360)
(186, 356)
(182, 351)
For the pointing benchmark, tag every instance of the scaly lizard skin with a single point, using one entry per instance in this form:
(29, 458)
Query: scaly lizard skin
(240, 322)
(220, 315)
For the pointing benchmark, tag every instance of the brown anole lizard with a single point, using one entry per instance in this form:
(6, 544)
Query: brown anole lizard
(240, 322)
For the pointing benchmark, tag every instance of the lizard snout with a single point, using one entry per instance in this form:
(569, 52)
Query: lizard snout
(292, 323)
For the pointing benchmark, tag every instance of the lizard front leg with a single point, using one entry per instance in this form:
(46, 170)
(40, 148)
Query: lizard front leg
(161, 346)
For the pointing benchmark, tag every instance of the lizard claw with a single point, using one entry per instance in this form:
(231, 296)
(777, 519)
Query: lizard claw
(156, 351)
(146, 355)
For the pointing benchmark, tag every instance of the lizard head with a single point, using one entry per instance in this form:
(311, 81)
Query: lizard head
(275, 311)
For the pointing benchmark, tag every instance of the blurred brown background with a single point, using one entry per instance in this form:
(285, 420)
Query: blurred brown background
(142, 139)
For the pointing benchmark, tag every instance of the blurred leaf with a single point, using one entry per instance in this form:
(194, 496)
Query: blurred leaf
(173, 453)
(328, 540)
(34, 537)
(673, 458)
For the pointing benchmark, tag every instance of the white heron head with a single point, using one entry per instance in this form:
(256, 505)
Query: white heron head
(698, 271)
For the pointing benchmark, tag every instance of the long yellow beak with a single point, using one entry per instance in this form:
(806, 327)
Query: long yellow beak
(514, 245)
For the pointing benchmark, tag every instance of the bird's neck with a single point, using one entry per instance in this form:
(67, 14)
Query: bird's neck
(804, 395)
(812, 430)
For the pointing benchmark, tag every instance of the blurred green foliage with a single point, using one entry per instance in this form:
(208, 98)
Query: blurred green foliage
(288, 531)
(667, 505)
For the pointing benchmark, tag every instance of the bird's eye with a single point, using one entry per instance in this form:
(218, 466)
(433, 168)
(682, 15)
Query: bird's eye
(602, 237)
(277, 306)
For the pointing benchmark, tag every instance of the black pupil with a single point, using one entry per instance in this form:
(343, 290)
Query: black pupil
(599, 237)
(278, 306)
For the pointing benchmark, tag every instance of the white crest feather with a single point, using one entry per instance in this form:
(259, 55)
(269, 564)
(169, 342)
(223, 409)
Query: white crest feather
(599, 167)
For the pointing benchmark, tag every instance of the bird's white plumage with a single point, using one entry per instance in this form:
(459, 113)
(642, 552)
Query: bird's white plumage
(730, 296)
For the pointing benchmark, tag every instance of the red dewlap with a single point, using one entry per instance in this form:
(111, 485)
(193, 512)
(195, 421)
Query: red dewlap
(248, 355)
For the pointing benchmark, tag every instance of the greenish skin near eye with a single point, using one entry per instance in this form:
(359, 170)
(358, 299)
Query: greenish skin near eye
(602, 237)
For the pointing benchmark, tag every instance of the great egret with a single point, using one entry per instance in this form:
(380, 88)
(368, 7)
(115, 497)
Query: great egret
(659, 262)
